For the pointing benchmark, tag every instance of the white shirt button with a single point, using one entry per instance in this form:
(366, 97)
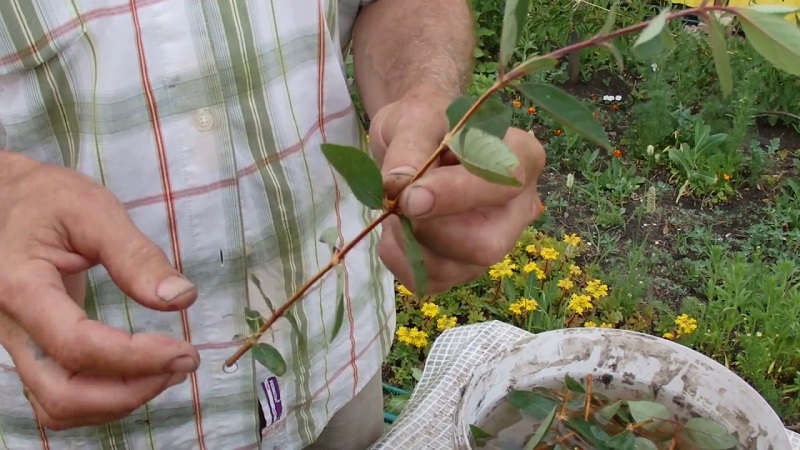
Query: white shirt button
(203, 120)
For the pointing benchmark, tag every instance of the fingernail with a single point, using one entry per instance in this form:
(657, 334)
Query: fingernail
(406, 171)
(176, 379)
(183, 364)
(173, 287)
(419, 201)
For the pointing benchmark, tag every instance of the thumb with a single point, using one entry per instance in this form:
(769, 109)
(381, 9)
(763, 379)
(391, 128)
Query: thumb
(409, 132)
(105, 234)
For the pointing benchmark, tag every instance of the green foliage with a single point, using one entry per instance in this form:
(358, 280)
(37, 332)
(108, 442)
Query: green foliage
(655, 38)
(270, 358)
(415, 257)
(485, 155)
(359, 171)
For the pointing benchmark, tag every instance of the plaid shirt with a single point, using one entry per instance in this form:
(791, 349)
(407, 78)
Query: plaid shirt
(205, 118)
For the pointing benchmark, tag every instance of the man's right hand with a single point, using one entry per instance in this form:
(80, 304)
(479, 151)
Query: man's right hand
(54, 225)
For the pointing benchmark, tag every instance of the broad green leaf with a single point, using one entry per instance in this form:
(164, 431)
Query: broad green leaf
(781, 10)
(645, 410)
(610, 20)
(329, 238)
(574, 385)
(544, 427)
(536, 64)
(589, 431)
(337, 324)
(485, 155)
(621, 441)
(254, 320)
(710, 435)
(359, 171)
(774, 37)
(640, 443)
(655, 38)
(531, 403)
(415, 257)
(492, 116)
(719, 48)
(705, 177)
(514, 18)
(608, 45)
(609, 411)
(567, 111)
(479, 433)
(270, 358)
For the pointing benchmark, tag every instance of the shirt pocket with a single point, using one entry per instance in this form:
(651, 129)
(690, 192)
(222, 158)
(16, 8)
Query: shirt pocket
(33, 32)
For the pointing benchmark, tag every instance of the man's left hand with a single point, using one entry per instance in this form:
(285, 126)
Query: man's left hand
(464, 223)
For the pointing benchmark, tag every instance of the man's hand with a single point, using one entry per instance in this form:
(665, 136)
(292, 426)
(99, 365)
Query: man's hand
(54, 225)
(465, 224)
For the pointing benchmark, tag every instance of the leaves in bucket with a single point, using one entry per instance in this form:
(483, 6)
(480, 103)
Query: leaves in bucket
(590, 432)
(710, 435)
(531, 403)
(643, 411)
(574, 385)
(493, 116)
(544, 427)
(655, 38)
(568, 111)
(269, 357)
(775, 38)
(359, 171)
(485, 155)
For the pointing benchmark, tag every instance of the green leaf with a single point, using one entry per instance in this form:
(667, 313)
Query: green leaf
(774, 37)
(415, 257)
(622, 441)
(608, 45)
(640, 443)
(485, 155)
(719, 48)
(493, 116)
(514, 19)
(329, 238)
(270, 358)
(337, 324)
(359, 171)
(567, 110)
(644, 410)
(257, 282)
(655, 38)
(537, 64)
(254, 319)
(589, 431)
(544, 427)
(609, 411)
(478, 433)
(531, 403)
(574, 385)
(781, 10)
(710, 435)
(610, 20)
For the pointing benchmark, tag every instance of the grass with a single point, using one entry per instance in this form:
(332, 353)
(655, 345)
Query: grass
(690, 230)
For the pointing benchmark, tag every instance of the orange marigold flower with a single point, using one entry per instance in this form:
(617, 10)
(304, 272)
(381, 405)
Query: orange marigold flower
(618, 153)
(517, 104)
(726, 177)
(615, 107)
(531, 110)
(559, 132)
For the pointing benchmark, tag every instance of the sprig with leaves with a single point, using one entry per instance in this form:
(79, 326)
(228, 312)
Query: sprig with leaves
(479, 124)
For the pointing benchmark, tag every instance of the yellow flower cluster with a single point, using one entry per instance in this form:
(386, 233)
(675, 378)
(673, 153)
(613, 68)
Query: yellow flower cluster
(574, 270)
(522, 306)
(686, 324)
(597, 289)
(572, 239)
(504, 268)
(404, 291)
(533, 267)
(445, 322)
(412, 336)
(429, 309)
(592, 324)
(565, 284)
(579, 303)
(549, 253)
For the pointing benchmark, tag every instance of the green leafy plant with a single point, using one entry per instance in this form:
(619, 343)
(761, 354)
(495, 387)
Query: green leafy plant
(477, 124)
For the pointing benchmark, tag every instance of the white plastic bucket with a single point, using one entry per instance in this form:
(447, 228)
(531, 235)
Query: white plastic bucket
(628, 364)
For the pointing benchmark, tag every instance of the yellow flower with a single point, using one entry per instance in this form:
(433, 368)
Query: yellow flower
(669, 335)
(686, 324)
(404, 291)
(430, 309)
(515, 309)
(549, 253)
(565, 284)
(530, 267)
(589, 324)
(579, 303)
(597, 289)
(412, 336)
(572, 239)
(606, 325)
(522, 306)
(574, 270)
(540, 275)
(445, 322)
(531, 249)
(504, 268)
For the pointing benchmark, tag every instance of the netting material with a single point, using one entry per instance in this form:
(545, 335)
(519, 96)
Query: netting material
(427, 420)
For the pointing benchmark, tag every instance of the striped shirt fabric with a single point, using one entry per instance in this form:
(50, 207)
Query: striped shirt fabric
(205, 119)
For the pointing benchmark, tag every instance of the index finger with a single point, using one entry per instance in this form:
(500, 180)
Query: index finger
(41, 306)
(451, 190)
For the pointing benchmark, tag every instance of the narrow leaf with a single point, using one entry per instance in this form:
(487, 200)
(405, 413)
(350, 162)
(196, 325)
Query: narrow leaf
(485, 155)
(415, 257)
(710, 435)
(329, 238)
(257, 282)
(514, 18)
(609, 411)
(542, 430)
(640, 443)
(781, 10)
(774, 37)
(337, 324)
(608, 45)
(610, 20)
(531, 403)
(270, 358)
(621, 441)
(567, 111)
(574, 385)
(493, 116)
(589, 431)
(359, 171)
(537, 64)
(654, 38)
(254, 320)
(719, 48)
